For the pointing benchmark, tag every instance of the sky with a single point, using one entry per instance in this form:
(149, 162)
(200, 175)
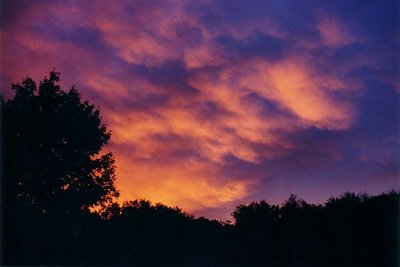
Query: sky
(216, 103)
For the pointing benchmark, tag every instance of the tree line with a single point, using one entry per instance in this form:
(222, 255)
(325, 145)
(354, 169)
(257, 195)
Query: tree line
(59, 205)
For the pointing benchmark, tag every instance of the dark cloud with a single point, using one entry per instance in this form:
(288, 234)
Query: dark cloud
(259, 45)
(172, 75)
(11, 10)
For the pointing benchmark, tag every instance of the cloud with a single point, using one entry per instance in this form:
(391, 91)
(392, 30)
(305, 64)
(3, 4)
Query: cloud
(182, 177)
(293, 86)
(333, 33)
(212, 103)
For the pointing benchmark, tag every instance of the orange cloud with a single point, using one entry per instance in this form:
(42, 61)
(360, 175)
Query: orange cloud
(151, 168)
(109, 88)
(140, 40)
(333, 33)
(190, 183)
(294, 87)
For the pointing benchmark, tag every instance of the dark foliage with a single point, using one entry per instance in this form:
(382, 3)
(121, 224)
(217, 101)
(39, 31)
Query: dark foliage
(352, 230)
(51, 167)
(52, 173)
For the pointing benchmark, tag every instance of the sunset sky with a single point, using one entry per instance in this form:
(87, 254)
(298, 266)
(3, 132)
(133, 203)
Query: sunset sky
(216, 103)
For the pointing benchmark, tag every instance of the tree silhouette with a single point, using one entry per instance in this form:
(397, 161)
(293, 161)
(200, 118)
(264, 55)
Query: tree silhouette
(53, 171)
(51, 155)
(350, 230)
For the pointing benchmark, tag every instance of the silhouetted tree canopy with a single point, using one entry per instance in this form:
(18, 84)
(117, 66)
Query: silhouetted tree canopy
(51, 149)
(350, 230)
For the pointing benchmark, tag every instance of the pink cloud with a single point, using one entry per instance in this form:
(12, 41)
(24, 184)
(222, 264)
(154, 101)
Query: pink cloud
(333, 33)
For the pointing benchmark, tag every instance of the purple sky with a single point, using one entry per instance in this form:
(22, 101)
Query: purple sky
(216, 103)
